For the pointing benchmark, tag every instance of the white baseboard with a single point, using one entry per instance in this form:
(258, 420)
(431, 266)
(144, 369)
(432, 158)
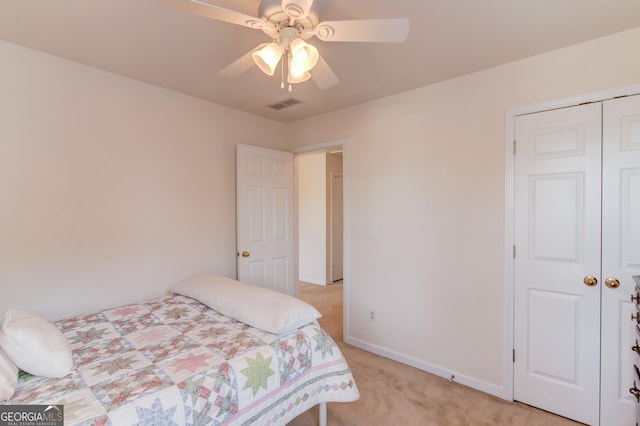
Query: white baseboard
(436, 370)
(312, 281)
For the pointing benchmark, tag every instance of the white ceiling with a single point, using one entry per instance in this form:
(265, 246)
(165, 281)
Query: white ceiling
(448, 38)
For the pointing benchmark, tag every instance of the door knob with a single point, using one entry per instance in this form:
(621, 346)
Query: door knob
(612, 282)
(590, 281)
(244, 253)
(636, 298)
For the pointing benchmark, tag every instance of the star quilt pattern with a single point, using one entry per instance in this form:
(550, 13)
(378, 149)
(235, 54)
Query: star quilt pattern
(174, 361)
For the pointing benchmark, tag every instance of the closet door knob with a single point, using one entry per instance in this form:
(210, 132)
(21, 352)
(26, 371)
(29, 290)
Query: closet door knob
(612, 282)
(590, 281)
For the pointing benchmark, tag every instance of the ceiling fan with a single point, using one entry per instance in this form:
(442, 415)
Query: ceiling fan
(289, 23)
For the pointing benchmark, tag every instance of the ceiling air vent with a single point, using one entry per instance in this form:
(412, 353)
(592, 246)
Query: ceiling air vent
(284, 104)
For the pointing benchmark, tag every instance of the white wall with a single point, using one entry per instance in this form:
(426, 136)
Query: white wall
(111, 190)
(312, 218)
(426, 172)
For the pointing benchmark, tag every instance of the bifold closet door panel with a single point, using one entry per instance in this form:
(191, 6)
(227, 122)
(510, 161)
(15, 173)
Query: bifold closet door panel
(620, 254)
(557, 264)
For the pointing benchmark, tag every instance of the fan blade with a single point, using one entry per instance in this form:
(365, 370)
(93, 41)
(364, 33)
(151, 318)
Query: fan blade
(208, 10)
(323, 75)
(367, 30)
(297, 9)
(242, 64)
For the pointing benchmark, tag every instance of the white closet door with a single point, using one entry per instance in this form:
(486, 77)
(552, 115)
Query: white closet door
(557, 237)
(620, 253)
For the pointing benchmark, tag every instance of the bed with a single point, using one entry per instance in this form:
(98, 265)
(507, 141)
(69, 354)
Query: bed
(179, 360)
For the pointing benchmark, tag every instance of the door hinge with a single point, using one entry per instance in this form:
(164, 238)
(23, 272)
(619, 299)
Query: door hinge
(514, 251)
(514, 147)
(513, 355)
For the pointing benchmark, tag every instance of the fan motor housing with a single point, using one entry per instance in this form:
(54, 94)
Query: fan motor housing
(271, 11)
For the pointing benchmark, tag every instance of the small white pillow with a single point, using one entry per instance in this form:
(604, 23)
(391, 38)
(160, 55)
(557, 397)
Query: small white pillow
(259, 307)
(8, 377)
(35, 345)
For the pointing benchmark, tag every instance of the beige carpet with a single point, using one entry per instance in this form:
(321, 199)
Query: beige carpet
(395, 394)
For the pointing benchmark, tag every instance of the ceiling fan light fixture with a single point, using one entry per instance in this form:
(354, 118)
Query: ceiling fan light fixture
(296, 75)
(304, 77)
(288, 23)
(268, 57)
(304, 54)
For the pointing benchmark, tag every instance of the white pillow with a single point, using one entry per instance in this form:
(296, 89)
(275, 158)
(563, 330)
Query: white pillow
(8, 377)
(259, 307)
(35, 345)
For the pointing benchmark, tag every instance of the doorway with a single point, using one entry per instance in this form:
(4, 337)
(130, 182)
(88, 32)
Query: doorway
(320, 188)
(320, 216)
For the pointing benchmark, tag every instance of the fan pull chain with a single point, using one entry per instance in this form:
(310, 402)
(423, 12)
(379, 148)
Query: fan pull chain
(288, 72)
(282, 76)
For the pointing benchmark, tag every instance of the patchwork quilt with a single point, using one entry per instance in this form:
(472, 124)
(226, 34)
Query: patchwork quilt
(174, 361)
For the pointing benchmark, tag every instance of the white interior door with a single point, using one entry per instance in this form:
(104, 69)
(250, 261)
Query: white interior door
(337, 232)
(265, 218)
(620, 253)
(557, 238)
